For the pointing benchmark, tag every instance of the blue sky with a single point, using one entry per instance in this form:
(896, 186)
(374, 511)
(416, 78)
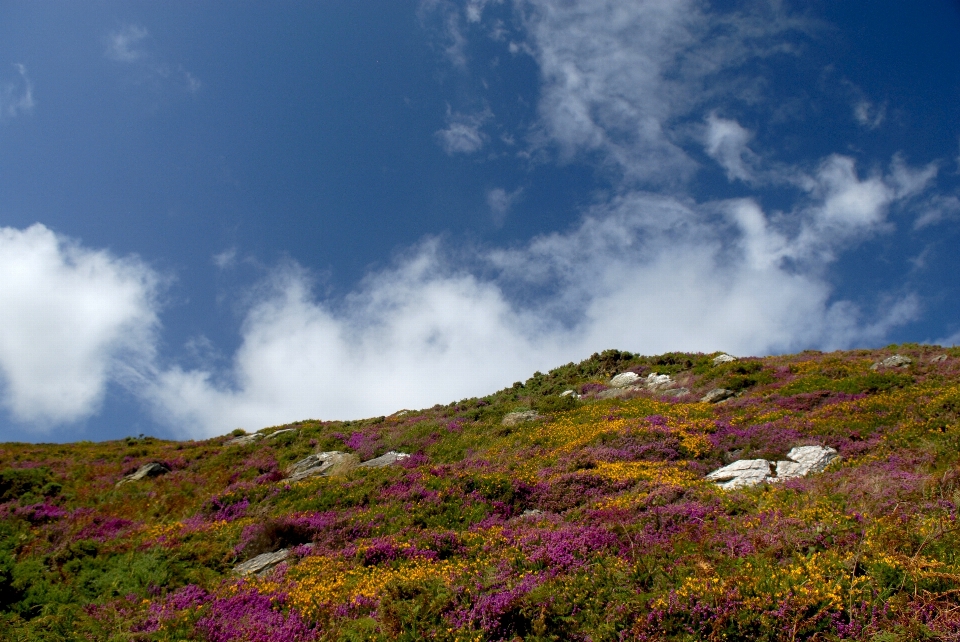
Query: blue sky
(216, 216)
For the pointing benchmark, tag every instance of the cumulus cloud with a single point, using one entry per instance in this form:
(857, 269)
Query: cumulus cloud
(644, 272)
(16, 96)
(72, 319)
(463, 134)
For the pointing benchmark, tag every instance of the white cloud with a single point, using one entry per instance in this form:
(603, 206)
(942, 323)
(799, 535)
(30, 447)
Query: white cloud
(500, 201)
(71, 320)
(124, 45)
(463, 134)
(16, 97)
(935, 209)
(726, 142)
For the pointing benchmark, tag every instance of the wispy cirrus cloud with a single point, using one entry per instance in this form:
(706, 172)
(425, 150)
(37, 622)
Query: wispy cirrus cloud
(16, 95)
(129, 45)
(463, 133)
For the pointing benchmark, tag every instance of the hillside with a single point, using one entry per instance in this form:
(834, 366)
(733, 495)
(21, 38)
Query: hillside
(532, 513)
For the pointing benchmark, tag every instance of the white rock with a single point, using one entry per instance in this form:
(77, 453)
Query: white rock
(896, 361)
(723, 358)
(659, 381)
(514, 418)
(567, 393)
(280, 432)
(325, 464)
(717, 394)
(939, 358)
(813, 458)
(262, 563)
(746, 472)
(385, 459)
(624, 379)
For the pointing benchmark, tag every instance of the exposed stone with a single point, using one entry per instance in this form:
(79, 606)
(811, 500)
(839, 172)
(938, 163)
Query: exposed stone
(152, 469)
(717, 394)
(939, 358)
(656, 381)
(723, 358)
(280, 432)
(811, 459)
(531, 512)
(567, 393)
(514, 418)
(616, 393)
(896, 361)
(262, 563)
(675, 392)
(243, 440)
(624, 379)
(746, 472)
(326, 463)
(385, 459)
(802, 461)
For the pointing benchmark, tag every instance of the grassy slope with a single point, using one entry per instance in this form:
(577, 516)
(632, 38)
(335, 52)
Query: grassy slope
(621, 539)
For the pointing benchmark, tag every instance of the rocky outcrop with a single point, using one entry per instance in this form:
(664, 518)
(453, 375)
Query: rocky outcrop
(152, 469)
(896, 361)
(568, 393)
(326, 463)
(277, 433)
(801, 461)
(386, 459)
(243, 440)
(716, 395)
(262, 564)
(514, 418)
(723, 358)
(653, 382)
(940, 358)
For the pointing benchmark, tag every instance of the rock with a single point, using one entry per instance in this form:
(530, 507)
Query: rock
(616, 393)
(675, 392)
(723, 358)
(280, 432)
(152, 469)
(624, 379)
(746, 472)
(385, 459)
(325, 464)
(939, 358)
(717, 394)
(243, 440)
(896, 361)
(567, 393)
(514, 418)
(803, 460)
(531, 512)
(810, 459)
(656, 381)
(261, 564)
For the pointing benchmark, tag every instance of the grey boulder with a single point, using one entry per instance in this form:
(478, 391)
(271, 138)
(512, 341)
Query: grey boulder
(262, 564)
(147, 470)
(717, 394)
(746, 472)
(243, 440)
(323, 464)
(386, 459)
(896, 361)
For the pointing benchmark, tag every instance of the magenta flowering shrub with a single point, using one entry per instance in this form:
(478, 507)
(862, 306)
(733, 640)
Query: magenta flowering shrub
(592, 523)
(250, 616)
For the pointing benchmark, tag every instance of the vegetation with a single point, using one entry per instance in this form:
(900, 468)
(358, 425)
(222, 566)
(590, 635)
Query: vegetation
(592, 522)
